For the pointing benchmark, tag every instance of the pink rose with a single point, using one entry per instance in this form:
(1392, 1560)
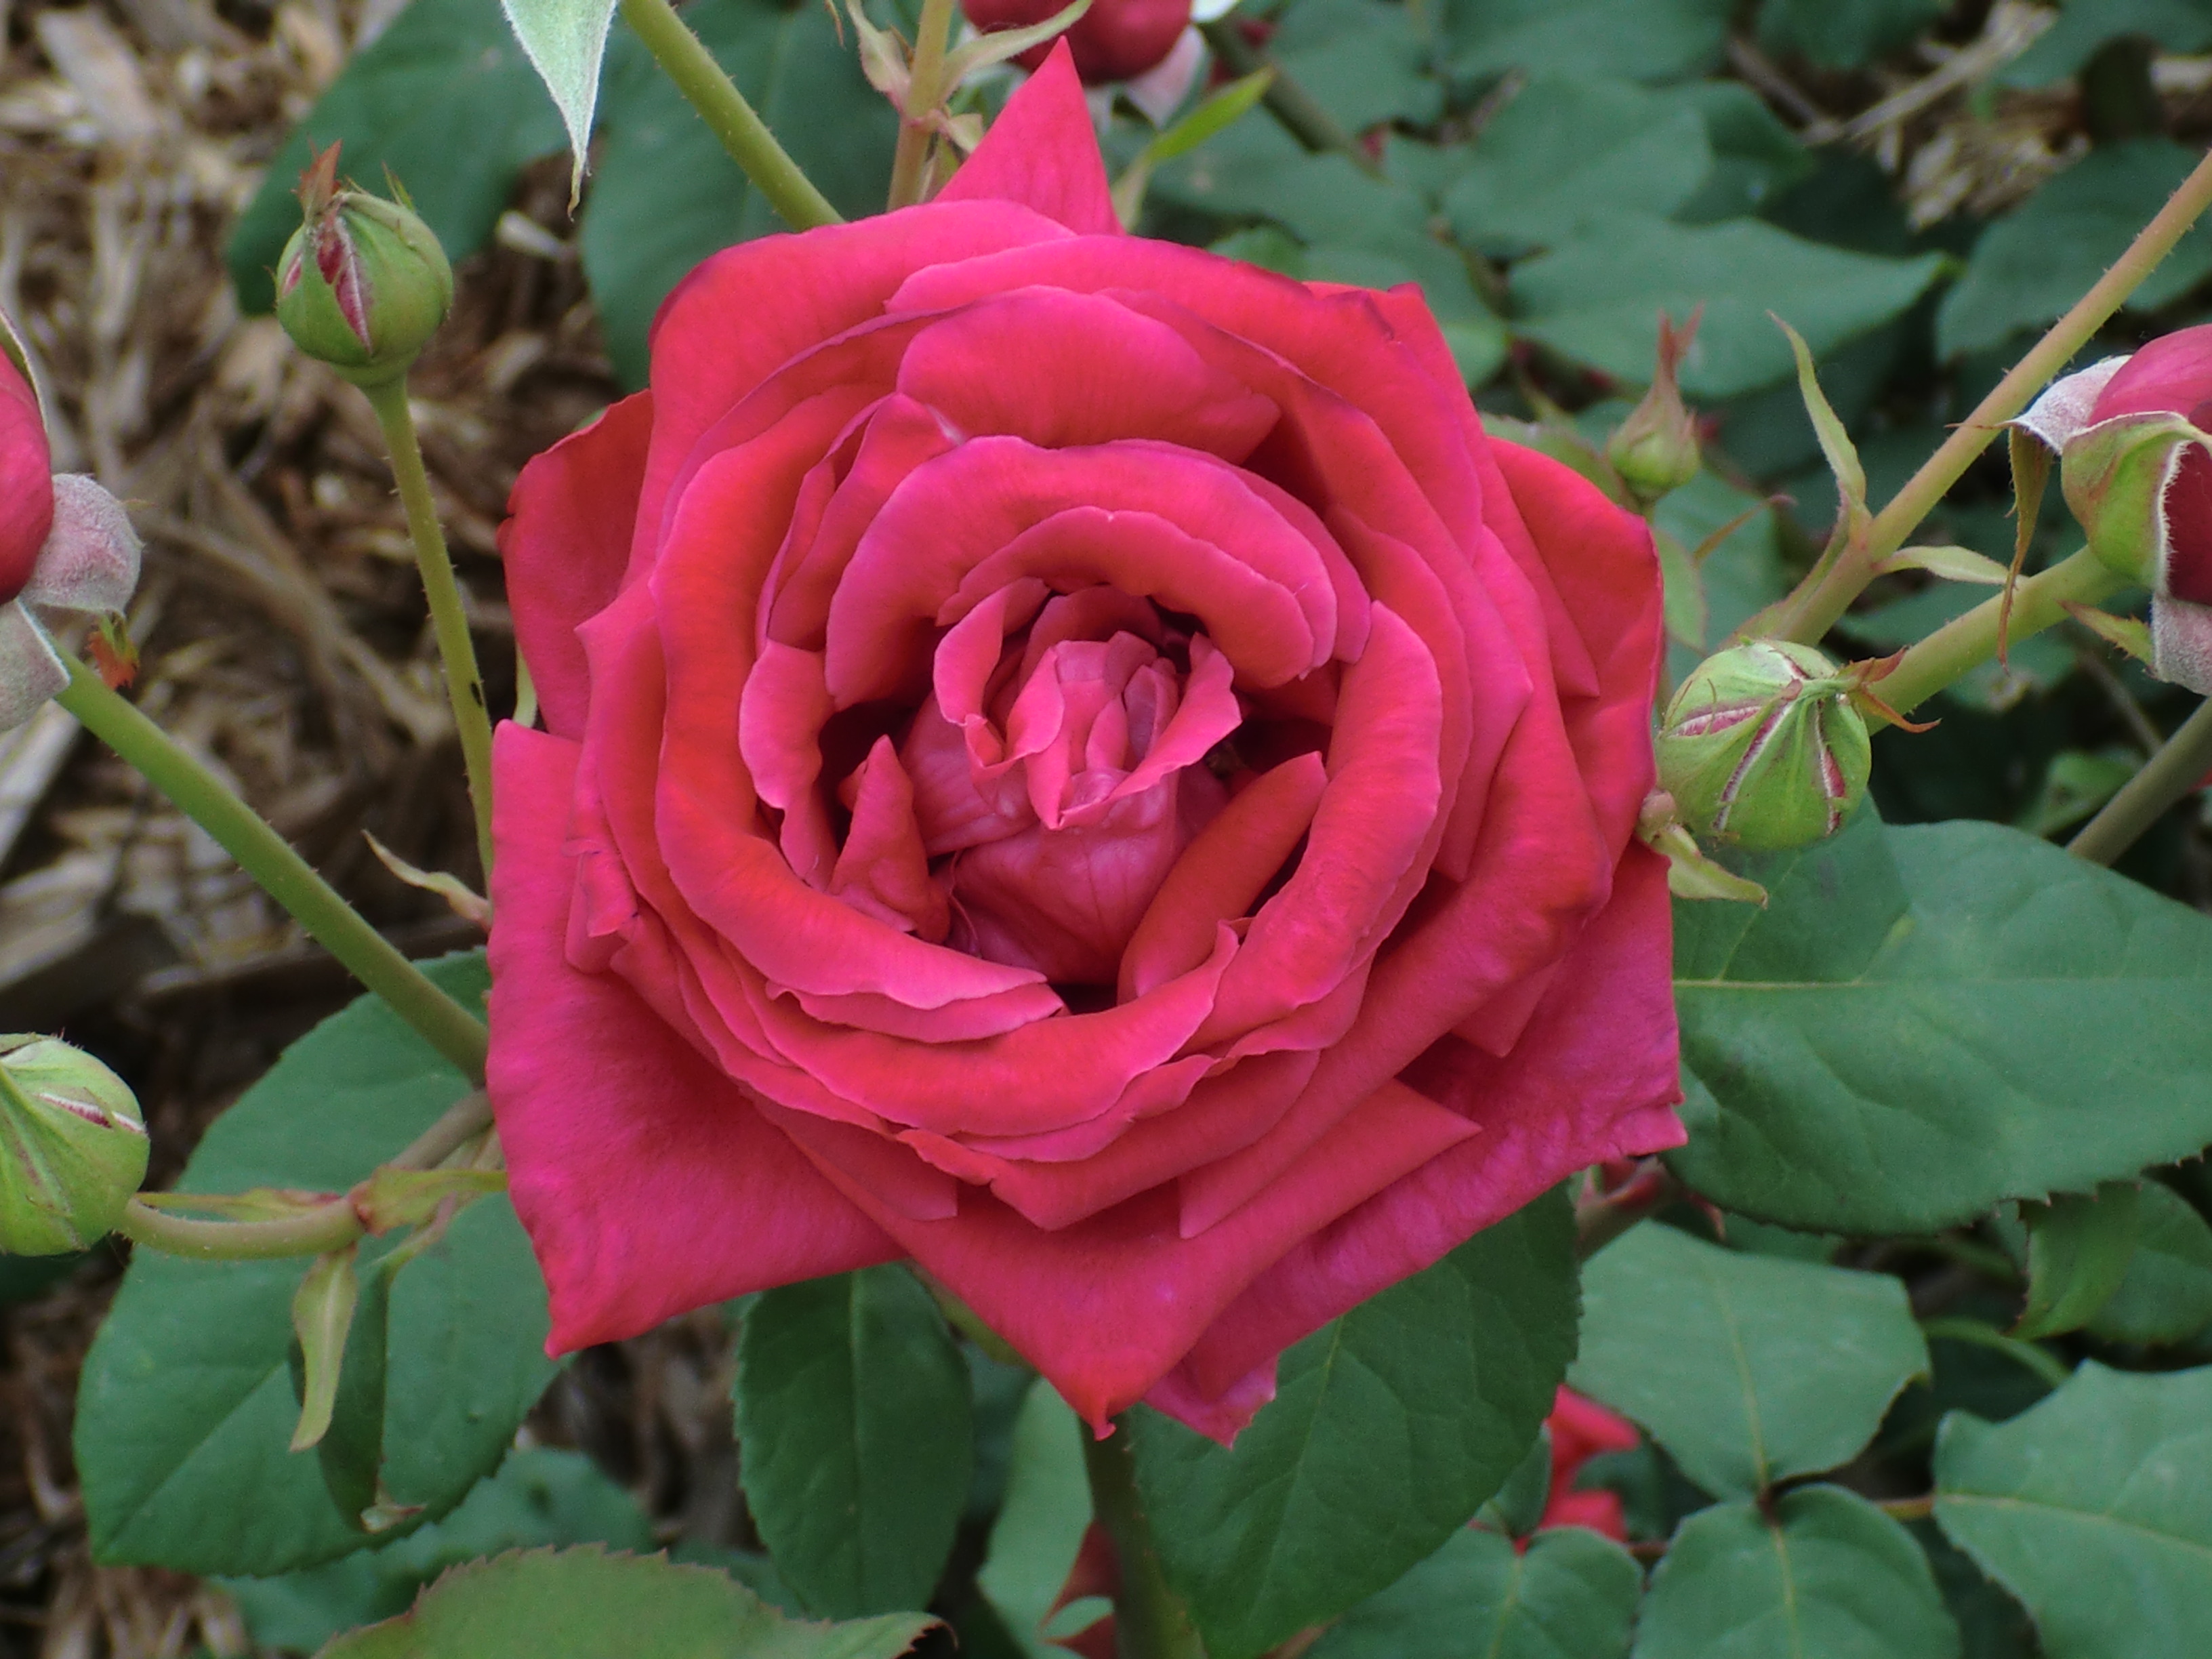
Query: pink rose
(1581, 1429)
(1073, 760)
(26, 489)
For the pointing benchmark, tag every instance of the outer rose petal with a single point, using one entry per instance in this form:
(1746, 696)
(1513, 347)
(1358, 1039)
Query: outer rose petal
(1042, 152)
(565, 544)
(648, 1182)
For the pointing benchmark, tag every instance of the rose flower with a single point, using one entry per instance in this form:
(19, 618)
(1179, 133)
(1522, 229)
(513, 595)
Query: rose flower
(1073, 760)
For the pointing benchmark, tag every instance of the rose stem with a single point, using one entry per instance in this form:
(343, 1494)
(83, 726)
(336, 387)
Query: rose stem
(1965, 641)
(1150, 1621)
(337, 926)
(1302, 114)
(328, 1226)
(463, 683)
(723, 108)
(2178, 768)
(1811, 610)
(925, 90)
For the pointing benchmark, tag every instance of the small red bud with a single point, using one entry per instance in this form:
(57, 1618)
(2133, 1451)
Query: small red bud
(1114, 40)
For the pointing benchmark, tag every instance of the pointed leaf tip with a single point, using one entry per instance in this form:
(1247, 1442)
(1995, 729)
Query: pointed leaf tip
(566, 41)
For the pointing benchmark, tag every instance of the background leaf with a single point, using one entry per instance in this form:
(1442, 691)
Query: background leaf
(853, 1420)
(1748, 1370)
(2078, 1247)
(1894, 1044)
(1389, 1429)
(2166, 1295)
(665, 193)
(1572, 1595)
(1596, 298)
(1040, 1526)
(2033, 263)
(445, 98)
(1830, 1575)
(1366, 61)
(583, 1603)
(185, 1405)
(2092, 1509)
(1648, 40)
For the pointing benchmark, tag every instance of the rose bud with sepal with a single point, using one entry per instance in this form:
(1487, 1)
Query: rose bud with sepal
(27, 491)
(2136, 469)
(1114, 40)
(1655, 450)
(1762, 746)
(74, 1147)
(363, 283)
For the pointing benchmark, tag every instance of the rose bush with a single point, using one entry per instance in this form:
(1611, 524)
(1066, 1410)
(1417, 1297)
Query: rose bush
(1073, 760)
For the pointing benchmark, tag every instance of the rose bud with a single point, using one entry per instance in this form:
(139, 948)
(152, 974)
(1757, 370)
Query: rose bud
(68, 555)
(74, 1147)
(1655, 450)
(1114, 40)
(26, 494)
(1762, 747)
(363, 283)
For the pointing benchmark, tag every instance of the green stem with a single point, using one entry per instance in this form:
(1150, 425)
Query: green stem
(726, 114)
(337, 926)
(2179, 765)
(1150, 1620)
(2051, 1370)
(1302, 115)
(448, 620)
(1965, 641)
(1809, 613)
(328, 1226)
(924, 91)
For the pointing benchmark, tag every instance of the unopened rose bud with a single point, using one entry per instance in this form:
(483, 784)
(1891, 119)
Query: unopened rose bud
(72, 1147)
(1761, 746)
(1655, 450)
(1114, 40)
(26, 494)
(363, 283)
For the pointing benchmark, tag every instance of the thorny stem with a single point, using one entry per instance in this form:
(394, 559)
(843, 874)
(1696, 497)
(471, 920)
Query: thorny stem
(1302, 114)
(448, 620)
(284, 874)
(926, 90)
(1150, 1620)
(1965, 641)
(1808, 614)
(331, 1226)
(727, 115)
(2178, 768)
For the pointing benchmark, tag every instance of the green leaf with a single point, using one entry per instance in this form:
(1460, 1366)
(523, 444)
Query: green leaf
(185, 1405)
(1896, 1043)
(2078, 1247)
(2033, 263)
(666, 194)
(1571, 1596)
(540, 1496)
(1748, 1368)
(2180, 26)
(1040, 1527)
(1645, 39)
(2075, 784)
(1831, 1576)
(2166, 1296)
(1842, 33)
(1366, 61)
(445, 98)
(1953, 564)
(1755, 157)
(565, 41)
(1256, 170)
(1596, 297)
(856, 1436)
(583, 1603)
(1744, 572)
(2092, 1508)
(1517, 1509)
(1568, 153)
(1836, 446)
(1389, 1429)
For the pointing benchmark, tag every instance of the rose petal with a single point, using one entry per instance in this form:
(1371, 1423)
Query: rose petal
(1042, 152)
(648, 1182)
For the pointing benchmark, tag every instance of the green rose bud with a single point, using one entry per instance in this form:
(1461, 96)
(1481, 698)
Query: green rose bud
(74, 1147)
(2117, 475)
(1655, 450)
(363, 283)
(1762, 747)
